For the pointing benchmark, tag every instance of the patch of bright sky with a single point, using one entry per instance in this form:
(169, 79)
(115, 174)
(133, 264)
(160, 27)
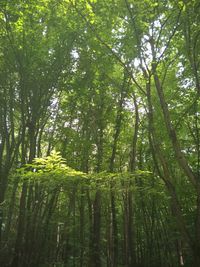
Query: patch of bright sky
(75, 54)
(44, 32)
(183, 82)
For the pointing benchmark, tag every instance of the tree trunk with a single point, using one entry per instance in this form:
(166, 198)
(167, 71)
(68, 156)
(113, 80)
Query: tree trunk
(18, 251)
(95, 247)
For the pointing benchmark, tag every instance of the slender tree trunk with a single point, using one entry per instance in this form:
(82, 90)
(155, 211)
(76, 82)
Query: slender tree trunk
(95, 247)
(82, 228)
(132, 163)
(11, 208)
(18, 250)
(3, 186)
(181, 160)
(166, 176)
(172, 133)
(113, 240)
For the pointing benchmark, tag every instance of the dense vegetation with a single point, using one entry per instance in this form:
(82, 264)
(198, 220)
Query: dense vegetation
(100, 133)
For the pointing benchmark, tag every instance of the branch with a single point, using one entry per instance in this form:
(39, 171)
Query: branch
(109, 48)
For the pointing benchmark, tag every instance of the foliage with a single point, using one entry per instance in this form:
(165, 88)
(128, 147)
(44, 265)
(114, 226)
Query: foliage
(114, 86)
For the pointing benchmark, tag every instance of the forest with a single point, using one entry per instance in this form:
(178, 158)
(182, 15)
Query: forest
(99, 133)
